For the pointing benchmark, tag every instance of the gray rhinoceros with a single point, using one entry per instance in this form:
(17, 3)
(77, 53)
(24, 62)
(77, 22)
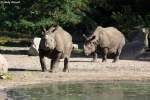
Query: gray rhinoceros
(55, 44)
(106, 40)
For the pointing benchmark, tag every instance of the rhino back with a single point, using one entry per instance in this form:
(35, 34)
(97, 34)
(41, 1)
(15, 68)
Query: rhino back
(63, 41)
(110, 37)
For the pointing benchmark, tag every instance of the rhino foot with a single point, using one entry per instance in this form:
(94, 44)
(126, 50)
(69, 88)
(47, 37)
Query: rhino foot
(94, 60)
(65, 70)
(114, 61)
(44, 70)
(104, 60)
(53, 71)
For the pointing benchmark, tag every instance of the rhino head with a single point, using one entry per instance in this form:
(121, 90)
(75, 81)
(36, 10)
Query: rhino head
(48, 38)
(89, 44)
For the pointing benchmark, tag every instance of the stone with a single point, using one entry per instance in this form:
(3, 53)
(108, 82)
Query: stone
(33, 50)
(3, 64)
(136, 47)
(75, 46)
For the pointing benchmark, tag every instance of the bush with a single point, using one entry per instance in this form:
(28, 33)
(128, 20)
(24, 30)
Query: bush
(76, 16)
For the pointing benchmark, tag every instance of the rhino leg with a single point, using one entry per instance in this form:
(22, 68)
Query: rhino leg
(65, 65)
(117, 55)
(94, 57)
(55, 63)
(66, 59)
(42, 62)
(104, 54)
(116, 58)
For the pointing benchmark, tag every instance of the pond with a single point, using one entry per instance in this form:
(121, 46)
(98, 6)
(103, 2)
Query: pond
(82, 91)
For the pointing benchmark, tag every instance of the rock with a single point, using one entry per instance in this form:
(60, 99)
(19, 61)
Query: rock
(3, 64)
(75, 46)
(134, 48)
(33, 50)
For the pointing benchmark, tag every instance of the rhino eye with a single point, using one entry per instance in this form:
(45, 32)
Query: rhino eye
(94, 43)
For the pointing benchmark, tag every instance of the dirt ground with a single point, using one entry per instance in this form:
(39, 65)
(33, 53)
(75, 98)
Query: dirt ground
(26, 70)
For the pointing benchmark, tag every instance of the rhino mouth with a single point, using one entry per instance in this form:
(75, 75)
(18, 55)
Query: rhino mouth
(87, 54)
(47, 49)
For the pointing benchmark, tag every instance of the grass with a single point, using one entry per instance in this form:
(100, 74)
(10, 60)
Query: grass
(5, 76)
(14, 42)
(10, 39)
(6, 47)
(78, 51)
(13, 37)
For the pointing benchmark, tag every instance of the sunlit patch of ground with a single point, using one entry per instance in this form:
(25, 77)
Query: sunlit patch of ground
(26, 70)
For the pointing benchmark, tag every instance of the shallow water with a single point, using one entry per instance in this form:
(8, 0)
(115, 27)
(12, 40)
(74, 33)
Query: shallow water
(82, 91)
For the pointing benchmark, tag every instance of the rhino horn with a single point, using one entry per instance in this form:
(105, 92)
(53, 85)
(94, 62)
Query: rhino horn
(44, 29)
(93, 37)
(54, 29)
(85, 37)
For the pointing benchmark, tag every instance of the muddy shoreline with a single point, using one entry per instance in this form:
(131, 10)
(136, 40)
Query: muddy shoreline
(25, 70)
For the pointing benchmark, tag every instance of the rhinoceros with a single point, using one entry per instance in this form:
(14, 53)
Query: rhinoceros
(55, 44)
(107, 40)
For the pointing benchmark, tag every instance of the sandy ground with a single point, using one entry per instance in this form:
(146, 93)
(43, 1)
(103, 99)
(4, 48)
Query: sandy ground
(26, 70)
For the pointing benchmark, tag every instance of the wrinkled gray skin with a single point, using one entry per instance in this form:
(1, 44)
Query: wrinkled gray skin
(55, 44)
(106, 40)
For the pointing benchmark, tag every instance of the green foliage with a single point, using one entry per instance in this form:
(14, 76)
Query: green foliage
(77, 16)
(26, 24)
(128, 21)
(30, 15)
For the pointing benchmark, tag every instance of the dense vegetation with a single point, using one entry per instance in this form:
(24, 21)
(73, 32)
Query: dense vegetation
(76, 16)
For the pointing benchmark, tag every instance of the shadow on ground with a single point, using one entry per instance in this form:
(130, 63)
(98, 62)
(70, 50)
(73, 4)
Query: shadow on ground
(19, 69)
(14, 52)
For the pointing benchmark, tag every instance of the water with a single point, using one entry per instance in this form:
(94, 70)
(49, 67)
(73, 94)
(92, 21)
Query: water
(82, 91)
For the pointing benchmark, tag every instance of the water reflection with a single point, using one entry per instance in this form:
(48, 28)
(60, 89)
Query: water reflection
(82, 91)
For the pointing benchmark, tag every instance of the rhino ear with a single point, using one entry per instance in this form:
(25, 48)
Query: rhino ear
(93, 37)
(54, 29)
(84, 36)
